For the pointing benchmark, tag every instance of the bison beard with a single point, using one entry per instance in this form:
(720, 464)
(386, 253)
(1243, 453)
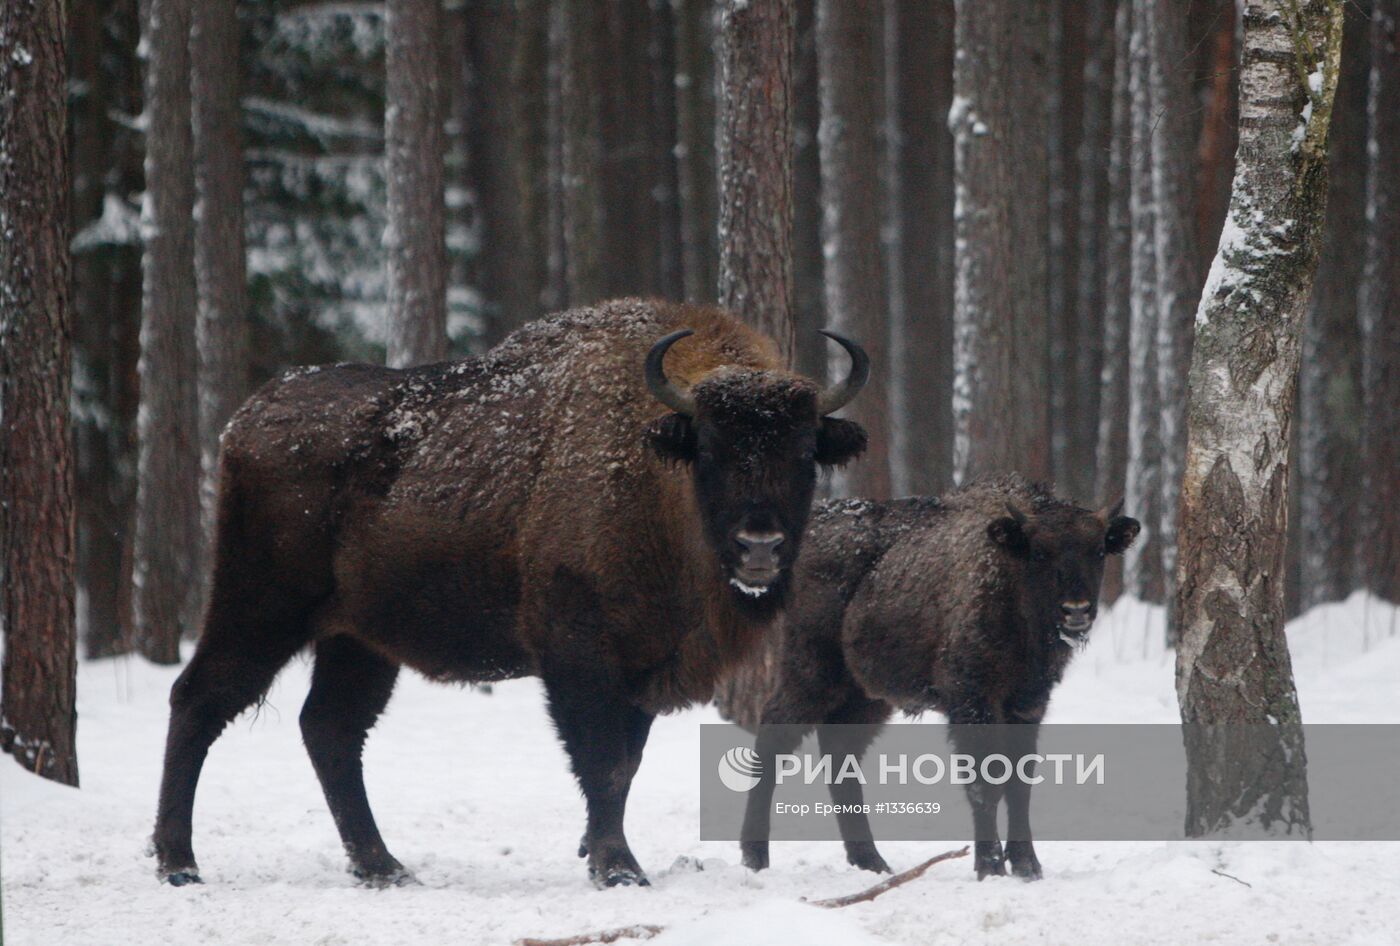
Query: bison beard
(971, 605)
(532, 511)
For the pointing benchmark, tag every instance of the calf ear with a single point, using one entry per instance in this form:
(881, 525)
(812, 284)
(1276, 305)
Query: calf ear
(1009, 534)
(1120, 534)
(673, 438)
(839, 441)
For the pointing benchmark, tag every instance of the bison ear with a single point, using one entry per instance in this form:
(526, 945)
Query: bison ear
(839, 441)
(1120, 534)
(1010, 534)
(673, 438)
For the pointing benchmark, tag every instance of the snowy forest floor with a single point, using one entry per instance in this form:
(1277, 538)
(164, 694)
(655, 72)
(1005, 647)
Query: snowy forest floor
(473, 794)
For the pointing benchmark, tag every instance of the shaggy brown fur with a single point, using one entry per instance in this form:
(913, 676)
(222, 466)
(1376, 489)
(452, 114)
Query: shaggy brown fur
(497, 517)
(948, 604)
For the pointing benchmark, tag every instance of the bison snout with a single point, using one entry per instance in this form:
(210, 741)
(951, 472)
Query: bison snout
(1077, 615)
(759, 550)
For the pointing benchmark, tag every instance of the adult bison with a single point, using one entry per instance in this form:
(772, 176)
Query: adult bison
(534, 511)
(970, 605)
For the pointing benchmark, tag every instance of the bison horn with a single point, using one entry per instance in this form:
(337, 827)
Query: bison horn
(1109, 513)
(1016, 514)
(837, 396)
(661, 387)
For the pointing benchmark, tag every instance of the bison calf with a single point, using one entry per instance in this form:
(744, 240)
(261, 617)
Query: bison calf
(970, 605)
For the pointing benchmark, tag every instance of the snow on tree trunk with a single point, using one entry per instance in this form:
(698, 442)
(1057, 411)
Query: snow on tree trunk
(168, 532)
(999, 396)
(1142, 566)
(1329, 395)
(754, 134)
(1172, 144)
(220, 267)
(1111, 462)
(919, 162)
(695, 147)
(37, 590)
(1379, 310)
(1233, 665)
(413, 143)
(851, 91)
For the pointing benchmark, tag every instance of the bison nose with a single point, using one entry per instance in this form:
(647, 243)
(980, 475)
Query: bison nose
(1076, 612)
(760, 549)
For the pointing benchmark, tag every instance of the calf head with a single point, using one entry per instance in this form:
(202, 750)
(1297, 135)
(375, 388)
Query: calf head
(753, 440)
(1063, 551)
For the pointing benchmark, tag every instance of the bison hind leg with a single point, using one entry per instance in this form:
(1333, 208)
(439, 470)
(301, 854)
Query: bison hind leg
(350, 686)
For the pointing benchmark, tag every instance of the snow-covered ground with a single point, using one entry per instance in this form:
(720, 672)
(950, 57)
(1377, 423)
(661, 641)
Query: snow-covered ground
(473, 794)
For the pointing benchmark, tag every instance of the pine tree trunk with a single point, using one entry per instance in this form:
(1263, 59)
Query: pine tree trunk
(1111, 461)
(1329, 399)
(1142, 566)
(661, 59)
(1173, 146)
(851, 91)
(1215, 150)
(574, 31)
(37, 716)
(498, 133)
(1379, 310)
(1233, 665)
(808, 266)
(220, 266)
(754, 136)
(919, 92)
(413, 143)
(695, 147)
(999, 398)
(168, 532)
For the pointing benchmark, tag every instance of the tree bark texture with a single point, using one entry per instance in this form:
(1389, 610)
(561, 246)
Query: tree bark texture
(695, 147)
(168, 538)
(1111, 461)
(1379, 310)
(852, 205)
(754, 134)
(1142, 566)
(662, 138)
(413, 144)
(573, 41)
(1233, 664)
(1000, 402)
(220, 264)
(37, 584)
(1329, 399)
(808, 267)
(919, 70)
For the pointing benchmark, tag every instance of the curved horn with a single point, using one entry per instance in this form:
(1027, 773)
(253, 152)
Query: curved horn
(1016, 514)
(661, 387)
(1109, 513)
(837, 396)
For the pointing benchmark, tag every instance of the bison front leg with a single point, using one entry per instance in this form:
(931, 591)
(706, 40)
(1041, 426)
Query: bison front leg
(979, 740)
(1020, 848)
(604, 736)
(849, 732)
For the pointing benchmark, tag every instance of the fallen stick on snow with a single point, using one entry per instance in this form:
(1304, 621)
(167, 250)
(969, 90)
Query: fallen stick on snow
(890, 883)
(647, 931)
(640, 931)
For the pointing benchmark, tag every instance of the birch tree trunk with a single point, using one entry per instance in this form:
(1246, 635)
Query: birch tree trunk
(1232, 664)
(1172, 145)
(37, 586)
(1379, 310)
(919, 92)
(754, 135)
(1112, 435)
(413, 143)
(1329, 398)
(220, 266)
(852, 205)
(1142, 565)
(999, 396)
(167, 543)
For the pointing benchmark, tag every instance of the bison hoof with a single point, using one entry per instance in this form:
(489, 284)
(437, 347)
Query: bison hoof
(397, 876)
(1024, 863)
(866, 857)
(180, 878)
(755, 856)
(989, 860)
(617, 868)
